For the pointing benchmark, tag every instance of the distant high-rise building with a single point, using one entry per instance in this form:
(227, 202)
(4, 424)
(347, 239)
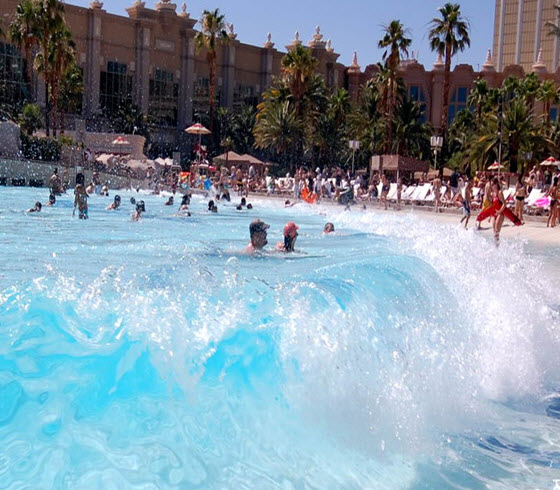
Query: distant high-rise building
(520, 33)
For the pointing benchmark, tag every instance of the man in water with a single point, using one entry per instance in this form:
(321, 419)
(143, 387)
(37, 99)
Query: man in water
(258, 235)
(290, 237)
(55, 184)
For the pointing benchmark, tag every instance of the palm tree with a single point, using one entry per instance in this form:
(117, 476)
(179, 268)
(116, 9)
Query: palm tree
(548, 94)
(212, 34)
(23, 31)
(478, 96)
(396, 43)
(71, 90)
(63, 59)
(298, 70)
(280, 130)
(49, 21)
(448, 35)
(411, 134)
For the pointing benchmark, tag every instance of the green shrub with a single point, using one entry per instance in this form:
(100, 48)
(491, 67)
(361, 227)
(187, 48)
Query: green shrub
(30, 118)
(45, 149)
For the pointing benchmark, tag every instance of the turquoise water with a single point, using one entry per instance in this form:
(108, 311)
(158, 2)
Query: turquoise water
(395, 354)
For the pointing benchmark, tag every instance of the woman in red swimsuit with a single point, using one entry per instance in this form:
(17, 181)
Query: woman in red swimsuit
(498, 210)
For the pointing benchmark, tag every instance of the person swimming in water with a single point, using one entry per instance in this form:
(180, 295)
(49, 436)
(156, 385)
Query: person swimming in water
(329, 228)
(140, 208)
(212, 207)
(290, 237)
(258, 234)
(52, 201)
(115, 204)
(35, 209)
(169, 202)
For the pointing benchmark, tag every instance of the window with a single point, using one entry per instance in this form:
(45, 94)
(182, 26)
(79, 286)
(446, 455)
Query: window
(14, 87)
(244, 95)
(416, 94)
(201, 99)
(554, 113)
(116, 87)
(457, 102)
(164, 96)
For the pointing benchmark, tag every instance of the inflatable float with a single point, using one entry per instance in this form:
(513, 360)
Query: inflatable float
(309, 197)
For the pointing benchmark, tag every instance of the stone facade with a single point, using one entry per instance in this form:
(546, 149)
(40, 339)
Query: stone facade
(149, 57)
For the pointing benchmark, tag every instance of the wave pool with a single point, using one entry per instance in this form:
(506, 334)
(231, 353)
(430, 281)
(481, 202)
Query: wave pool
(395, 354)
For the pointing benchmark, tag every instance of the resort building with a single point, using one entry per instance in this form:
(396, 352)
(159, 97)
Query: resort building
(521, 33)
(148, 59)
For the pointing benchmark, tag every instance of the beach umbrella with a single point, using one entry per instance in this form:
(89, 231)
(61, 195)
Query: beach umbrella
(198, 129)
(550, 162)
(496, 166)
(120, 141)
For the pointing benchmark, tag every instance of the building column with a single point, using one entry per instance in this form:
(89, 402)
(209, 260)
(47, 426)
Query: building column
(556, 45)
(228, 75)
(186, 86)
(142, 67)
(538, 29)
(437, 92)
(266, 68)
(501, 34)
(93, 63)
(519, 43)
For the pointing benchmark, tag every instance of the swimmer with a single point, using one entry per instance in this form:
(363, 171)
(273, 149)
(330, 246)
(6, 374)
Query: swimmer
(329, 228)
(80, 200)
(115, 204)
(258, 234)
(169, 201)
(105, 191)
(243, 202)
(239, 207)
(184, 208)
(132, 201)
(36, 209)
(212, 207)
(249, 206)
(290, 237)
(289, 204)
(140, 208)
(52, 201)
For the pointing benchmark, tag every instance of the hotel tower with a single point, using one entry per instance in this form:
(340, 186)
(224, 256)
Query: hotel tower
(521, 33)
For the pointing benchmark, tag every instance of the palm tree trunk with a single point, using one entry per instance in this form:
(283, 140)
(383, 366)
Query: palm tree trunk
(446, 84)
(47, 107)
(212, 68)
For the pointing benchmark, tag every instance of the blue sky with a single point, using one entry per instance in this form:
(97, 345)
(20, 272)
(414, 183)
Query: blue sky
(352, 25)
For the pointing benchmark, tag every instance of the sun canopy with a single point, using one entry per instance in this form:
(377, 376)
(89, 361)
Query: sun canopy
(397, 163)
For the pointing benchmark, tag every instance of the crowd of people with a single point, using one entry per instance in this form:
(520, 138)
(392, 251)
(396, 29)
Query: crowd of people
(337, 184)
